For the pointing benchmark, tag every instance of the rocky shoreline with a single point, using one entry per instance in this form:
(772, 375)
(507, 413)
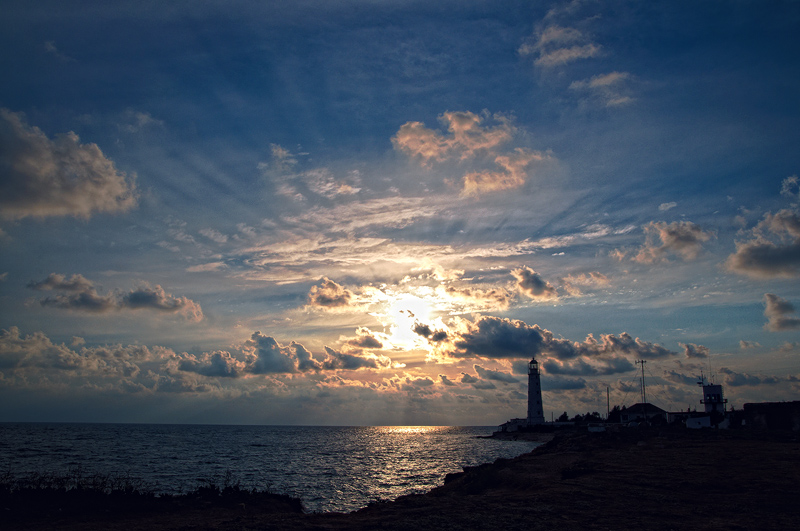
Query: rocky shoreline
(648, 479)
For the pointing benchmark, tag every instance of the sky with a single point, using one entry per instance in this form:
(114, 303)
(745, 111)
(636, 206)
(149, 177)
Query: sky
(378, 212)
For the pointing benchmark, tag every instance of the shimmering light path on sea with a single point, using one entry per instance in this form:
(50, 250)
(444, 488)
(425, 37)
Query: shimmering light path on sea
(329, 468)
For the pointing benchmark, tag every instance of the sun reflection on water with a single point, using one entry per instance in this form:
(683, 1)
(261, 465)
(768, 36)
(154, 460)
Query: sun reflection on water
(409, 430)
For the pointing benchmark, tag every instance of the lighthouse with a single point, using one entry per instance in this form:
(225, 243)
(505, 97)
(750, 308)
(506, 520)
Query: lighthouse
(535, 410)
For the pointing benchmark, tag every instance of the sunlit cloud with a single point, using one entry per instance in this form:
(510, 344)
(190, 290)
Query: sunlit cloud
(681, 238)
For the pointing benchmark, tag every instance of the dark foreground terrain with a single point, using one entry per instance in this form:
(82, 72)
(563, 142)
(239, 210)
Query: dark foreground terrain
(656, 479)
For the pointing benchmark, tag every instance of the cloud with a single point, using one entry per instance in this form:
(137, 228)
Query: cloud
(466, 138)
(341, 360)
(491, 337)
(573, 283)
(609, 89)
(748, 344)
(581, 367)
(778, 311)
(557, 46)
(791, 187)
(329, 295)
(266, 356)
(511, 173)
(663, 207)
(681, 238)
(214, 235)
(39, 352)
(738, 379)
(446, 381)
(55, 281)
(60, 177)
(155, 298)
(79, 293)
(695, 351)
(531, 284)
(50, 47)
(497, 376)
(219, 364)
(492, 299)
(774, 250)
(364, 339)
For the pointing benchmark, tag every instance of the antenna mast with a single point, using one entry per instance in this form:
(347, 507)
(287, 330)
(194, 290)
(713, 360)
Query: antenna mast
(644, 391)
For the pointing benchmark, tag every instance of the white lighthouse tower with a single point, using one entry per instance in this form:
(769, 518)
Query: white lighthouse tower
(535, 410)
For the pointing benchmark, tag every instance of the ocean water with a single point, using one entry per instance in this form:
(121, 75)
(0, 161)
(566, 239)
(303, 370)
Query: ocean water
(329, 468)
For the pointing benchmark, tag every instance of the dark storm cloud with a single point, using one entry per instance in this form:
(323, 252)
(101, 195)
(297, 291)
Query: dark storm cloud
(329, 295)
(778, 312)
(531, 284)
(494, 337)
(62, 177)
(695, 351)
(81, 295)
(774, 250)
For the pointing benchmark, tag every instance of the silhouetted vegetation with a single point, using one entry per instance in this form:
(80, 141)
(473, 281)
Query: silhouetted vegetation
(46, 495)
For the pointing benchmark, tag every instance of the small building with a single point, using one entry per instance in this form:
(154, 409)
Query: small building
(642, 412)
(513, 425)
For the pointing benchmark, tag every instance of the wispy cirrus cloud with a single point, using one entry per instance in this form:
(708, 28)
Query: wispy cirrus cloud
(557, 45)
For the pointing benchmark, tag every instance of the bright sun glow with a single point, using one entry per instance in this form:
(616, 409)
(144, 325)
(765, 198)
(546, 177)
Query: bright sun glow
(403, 312)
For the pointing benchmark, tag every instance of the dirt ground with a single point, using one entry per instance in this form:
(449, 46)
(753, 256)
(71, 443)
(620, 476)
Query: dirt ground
(655, 480)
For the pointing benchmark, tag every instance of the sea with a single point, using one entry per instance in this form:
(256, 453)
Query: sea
(331, 469)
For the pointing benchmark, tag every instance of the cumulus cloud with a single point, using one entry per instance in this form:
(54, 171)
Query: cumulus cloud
(695, 351)
(779, 312)
(663, 207)
(467, 139)
(365, 338)
(681, 238)
(556, 45)
(329, 295)
(341, 360)
(773, 251)
(532, 285)
(748, 344)
(491, 337)
(79, 293)
(60, 177)
(738, 379)
(38, 351)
